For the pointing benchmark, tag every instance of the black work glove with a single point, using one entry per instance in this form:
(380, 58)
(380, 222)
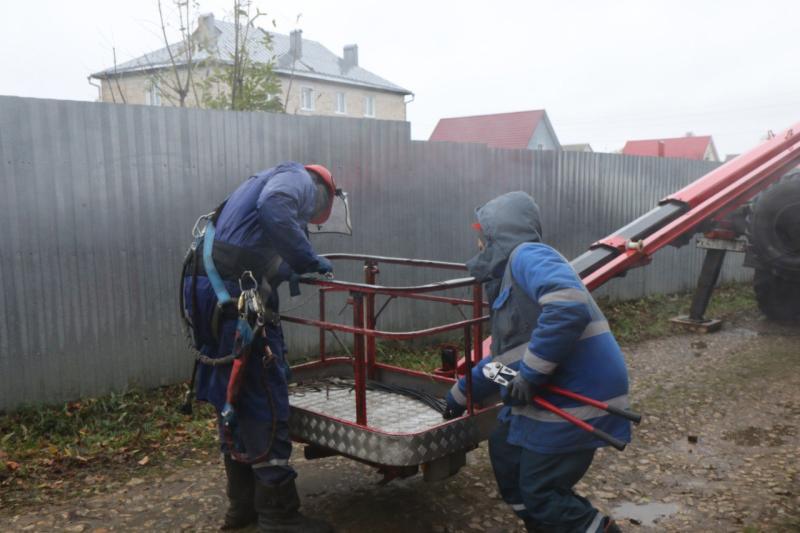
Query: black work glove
(521, 391)
(453, 409)
(323, 266)
(294, 285)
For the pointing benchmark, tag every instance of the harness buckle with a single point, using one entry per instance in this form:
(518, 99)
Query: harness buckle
(246, 276)
(250, 302)
(199, 228)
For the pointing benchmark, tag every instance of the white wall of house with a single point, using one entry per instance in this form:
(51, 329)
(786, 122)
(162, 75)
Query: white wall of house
(543, 138)
(327, 98)
(321, 98)
(711, 153)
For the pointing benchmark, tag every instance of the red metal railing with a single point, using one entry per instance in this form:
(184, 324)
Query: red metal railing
(365, 335)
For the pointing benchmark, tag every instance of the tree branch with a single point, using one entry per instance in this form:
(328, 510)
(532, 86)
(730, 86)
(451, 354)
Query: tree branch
(116, 80)
(171, 55)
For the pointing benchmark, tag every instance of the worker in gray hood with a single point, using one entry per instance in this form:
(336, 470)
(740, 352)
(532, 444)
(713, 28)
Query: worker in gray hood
(504, 223)
(547, 327)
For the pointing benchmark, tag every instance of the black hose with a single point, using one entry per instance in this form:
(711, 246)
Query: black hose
(186, 407)
(181, 302)
(430, 400)
(434, 402)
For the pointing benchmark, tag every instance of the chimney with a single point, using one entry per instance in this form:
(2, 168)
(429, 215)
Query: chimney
(350, 56)
(660, 148)
(296, 44)
(207, 33)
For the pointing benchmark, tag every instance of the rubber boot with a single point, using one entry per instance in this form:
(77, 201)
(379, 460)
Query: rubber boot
(530, 526)
(610, 526)
(241, 492)
(277, 507)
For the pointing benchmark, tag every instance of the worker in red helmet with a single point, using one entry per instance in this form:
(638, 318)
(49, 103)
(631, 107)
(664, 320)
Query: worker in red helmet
(258, 236)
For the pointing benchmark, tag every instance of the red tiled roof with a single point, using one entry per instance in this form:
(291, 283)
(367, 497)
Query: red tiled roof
(503, 130)
(680, 147)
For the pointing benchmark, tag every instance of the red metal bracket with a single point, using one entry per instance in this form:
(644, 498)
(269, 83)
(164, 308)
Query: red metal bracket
(721, 234)
(614, 242)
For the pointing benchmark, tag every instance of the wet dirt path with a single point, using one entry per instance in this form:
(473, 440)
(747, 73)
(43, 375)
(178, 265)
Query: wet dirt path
(719, 451)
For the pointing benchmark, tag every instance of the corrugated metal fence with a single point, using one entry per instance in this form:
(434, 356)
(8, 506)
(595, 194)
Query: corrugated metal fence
(98, 201)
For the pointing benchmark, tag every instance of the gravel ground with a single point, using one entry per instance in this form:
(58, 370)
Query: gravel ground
(718, 451)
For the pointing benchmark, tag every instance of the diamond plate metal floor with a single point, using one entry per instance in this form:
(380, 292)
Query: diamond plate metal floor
(386, 411)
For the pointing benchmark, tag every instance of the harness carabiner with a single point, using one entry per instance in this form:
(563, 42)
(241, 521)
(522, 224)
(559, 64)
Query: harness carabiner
(244, 277)
(250, 302)
(199, 228)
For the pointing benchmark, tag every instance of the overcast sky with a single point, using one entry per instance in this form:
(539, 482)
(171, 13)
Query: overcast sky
(605, 70)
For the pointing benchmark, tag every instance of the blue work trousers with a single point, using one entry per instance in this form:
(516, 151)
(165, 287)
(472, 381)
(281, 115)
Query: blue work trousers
(538, 486)
(253, 438)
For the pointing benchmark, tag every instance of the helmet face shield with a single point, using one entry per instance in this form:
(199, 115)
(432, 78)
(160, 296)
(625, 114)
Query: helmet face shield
(324, 177)
(339, 219)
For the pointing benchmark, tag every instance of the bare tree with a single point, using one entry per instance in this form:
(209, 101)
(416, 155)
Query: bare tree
(116, 80)
(236, 82)
(243, 83)
(291, 71)
(178, 78)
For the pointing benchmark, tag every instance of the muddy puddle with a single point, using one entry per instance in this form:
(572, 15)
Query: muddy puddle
(647, 514)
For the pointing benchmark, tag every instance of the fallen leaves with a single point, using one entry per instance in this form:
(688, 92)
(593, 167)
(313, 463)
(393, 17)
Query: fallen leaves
(52, 450)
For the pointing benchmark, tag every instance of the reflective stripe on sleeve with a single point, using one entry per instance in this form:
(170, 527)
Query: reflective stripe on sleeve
(598, 327)
(513, 355)
(518, 506)
(565, 295)
(543, 366)
(271, 462)
(458, 396)
(584, 412)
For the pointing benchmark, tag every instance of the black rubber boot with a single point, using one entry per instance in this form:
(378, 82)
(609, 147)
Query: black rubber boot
(277, 507)
(530, 526)
(241, 492)
(610, 526)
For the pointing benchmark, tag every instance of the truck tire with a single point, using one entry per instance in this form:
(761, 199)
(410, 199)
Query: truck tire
(774, 229)
(778, 298)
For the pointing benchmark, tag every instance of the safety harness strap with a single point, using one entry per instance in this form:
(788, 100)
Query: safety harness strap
(223, 297)
(231, 261)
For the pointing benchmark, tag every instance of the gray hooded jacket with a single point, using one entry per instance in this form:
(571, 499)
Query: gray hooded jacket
(506, 222)
(546, 325)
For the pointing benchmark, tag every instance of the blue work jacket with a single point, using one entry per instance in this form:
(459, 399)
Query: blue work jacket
(546, 325)
(267, 213)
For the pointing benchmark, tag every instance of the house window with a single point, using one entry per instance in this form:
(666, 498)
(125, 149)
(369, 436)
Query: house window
(369, 106)
(307, 99)
(153, 94)
(341, 103)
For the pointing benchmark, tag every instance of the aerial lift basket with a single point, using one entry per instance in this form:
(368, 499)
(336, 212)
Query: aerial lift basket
(365, 409)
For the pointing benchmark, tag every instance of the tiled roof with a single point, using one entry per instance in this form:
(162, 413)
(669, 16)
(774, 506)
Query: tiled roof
(502, 130)
(693, 147)
(316, 61)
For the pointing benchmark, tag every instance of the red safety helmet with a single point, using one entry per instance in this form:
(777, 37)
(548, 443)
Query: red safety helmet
(327, 178)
